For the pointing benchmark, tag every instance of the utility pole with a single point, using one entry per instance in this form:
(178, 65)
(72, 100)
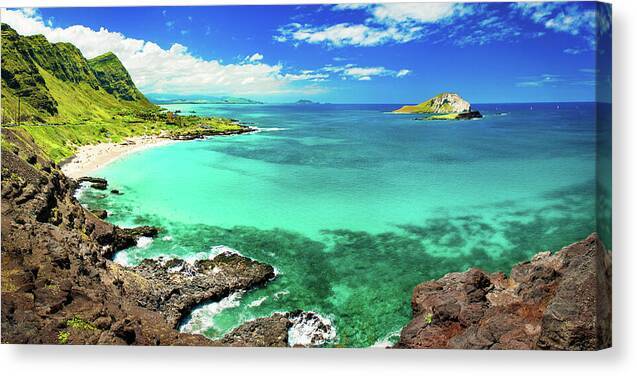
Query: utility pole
(18, 109)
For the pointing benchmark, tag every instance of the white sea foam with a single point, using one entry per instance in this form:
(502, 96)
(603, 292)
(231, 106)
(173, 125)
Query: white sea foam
(121, 258)
(216, 250)
(310, 329)
(387, 341)
(279, 294)
(257, 302)
(202, 318)
(273, 129)
(144, 242)
(82, 188)
(167, 238)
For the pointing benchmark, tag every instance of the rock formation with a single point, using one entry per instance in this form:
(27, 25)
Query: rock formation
(297, 329)
(444, 103)
(553, 302)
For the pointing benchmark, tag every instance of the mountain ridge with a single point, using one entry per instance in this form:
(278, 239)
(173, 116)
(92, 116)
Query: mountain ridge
(56, 83)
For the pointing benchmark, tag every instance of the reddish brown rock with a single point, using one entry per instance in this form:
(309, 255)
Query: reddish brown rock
(553, 302)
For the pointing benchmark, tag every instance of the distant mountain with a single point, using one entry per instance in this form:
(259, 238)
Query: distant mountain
(56, 83)
(444, 103)
(193, 99)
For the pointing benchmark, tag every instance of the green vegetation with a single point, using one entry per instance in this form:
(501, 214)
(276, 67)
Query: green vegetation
(63, 337)
(429, 318)
(61, 141)
(114, 78)
(67, 101)
(77, 323)
(443, 117)
(444, 103)
(57, 85)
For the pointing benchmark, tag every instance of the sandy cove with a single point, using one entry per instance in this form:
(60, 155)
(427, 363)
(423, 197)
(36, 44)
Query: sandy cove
(90, 158)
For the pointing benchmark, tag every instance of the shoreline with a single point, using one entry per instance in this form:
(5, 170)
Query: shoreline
(90, 158)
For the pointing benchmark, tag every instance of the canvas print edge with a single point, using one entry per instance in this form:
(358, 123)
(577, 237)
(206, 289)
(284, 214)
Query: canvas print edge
(59, 285)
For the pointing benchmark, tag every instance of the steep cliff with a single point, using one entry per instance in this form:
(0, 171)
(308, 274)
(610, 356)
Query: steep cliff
(114, 78)
(55, 83)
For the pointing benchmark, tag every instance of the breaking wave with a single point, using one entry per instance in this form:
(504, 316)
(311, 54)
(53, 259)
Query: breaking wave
(310, 329)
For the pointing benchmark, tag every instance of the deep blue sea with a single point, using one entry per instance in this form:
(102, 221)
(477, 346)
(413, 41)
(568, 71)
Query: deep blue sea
(354, 206)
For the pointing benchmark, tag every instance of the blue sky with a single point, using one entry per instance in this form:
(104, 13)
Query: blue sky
(387, 53)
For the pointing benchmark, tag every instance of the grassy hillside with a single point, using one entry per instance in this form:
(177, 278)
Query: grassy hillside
(61, 141)
(58, 85)
(67, 101)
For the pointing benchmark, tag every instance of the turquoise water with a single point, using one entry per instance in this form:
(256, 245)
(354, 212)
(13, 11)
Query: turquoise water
(355, 206)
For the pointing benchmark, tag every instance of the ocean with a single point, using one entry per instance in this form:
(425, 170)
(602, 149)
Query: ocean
(355, 206)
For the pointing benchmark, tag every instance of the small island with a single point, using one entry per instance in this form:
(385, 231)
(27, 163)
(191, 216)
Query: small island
(305, 101)
(445, 106)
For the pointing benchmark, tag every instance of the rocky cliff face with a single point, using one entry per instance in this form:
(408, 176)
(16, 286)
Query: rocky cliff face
(444, 103)
(553, 302)
(60, 286)
(114, 78)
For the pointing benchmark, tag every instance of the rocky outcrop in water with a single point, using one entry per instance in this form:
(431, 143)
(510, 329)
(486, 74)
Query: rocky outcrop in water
(553, 302)
(203, 132)
(292, 329)
(175, 287)
(455, 116)
(444, 103)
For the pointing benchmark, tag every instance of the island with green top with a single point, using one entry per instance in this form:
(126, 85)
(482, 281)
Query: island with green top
(445, 106)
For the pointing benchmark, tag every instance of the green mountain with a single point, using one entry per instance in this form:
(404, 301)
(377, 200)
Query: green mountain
(56, 84)
(444, 103)
(114, 78)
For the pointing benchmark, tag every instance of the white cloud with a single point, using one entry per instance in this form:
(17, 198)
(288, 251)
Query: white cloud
(346, 34)
(173, 70)
(575, 18)
(574, 51)
(459, 23)
(408, 12)
(308, 75)
(360, 72)
(388, 23)
(256, 57)
(352, 71)
(539, 81)
(403, 72)
(413, 12)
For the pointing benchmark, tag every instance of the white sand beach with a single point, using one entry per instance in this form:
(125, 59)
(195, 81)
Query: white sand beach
(92, 157)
